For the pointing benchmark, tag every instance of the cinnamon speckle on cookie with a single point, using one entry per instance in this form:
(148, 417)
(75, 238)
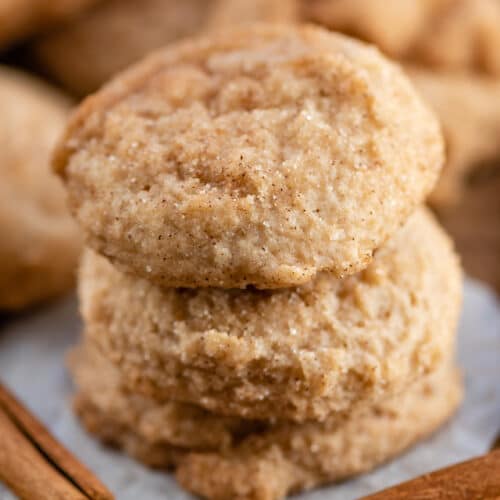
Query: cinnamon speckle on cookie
(300, 353)
(269, 153)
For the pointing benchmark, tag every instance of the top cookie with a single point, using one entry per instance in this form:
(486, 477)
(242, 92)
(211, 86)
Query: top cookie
(259, 156)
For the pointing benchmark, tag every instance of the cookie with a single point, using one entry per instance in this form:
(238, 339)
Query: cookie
(230, 12)
(22, 19)
(464, 37)
(88, 51)
(392, 25)
(469, 109)
(40, 243)
(460, 35)
(295, 353)
(260, 156)
(225, 458)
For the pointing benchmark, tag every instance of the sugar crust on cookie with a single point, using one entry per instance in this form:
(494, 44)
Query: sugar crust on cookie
(299, 353)
(259, 156)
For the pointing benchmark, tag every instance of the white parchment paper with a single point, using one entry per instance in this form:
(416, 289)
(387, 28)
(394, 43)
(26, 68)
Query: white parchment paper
(32, 348)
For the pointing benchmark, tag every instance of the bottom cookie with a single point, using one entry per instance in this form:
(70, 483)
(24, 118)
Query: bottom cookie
(230, 458)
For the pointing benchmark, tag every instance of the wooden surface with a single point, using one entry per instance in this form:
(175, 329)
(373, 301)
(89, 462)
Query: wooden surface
(474, 224)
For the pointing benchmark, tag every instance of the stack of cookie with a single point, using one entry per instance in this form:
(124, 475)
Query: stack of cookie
(266, 306)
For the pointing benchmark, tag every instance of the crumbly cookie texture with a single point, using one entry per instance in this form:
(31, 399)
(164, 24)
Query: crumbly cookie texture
(20, 19)
(259, 156)
(461, 35)
(84, 54)
(469, 109)
(294, 353)
(40, 243)
(228, 458)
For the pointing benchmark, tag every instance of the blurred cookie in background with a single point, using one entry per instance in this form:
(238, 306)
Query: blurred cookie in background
(20, 19)
(392, 25)
(88, 51)
(469, 109)
(475, 225)
(40, 245)
(461, 35)
(467, 197)
(228, 12)
(464, 36)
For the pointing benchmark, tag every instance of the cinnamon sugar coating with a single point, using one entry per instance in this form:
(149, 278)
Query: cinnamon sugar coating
(233, 459)
(258, 156)
(298, 353)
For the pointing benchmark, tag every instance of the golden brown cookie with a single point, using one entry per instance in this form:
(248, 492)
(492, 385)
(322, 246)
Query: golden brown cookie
(259, 156)
(87, 52)
(296, 353)
(20, 19)
(224, 458)
(469, 109)
(40, 243)
(461, 35)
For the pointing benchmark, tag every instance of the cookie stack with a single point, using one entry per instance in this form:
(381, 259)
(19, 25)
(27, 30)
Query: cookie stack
(266, 306)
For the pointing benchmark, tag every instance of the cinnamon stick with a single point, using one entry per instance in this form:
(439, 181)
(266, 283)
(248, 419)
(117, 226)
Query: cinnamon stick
(24, 473)
(36, 466)
(478, 478)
